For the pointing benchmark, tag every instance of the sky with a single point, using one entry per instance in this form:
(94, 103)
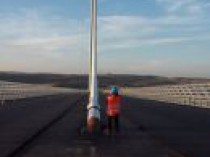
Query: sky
(143, 37)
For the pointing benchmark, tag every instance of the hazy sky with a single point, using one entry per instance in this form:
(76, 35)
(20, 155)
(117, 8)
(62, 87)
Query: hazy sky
(159, 37)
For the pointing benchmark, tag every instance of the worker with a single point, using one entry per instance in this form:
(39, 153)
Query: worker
(113, 101)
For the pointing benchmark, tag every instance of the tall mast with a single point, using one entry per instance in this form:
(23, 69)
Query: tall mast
(93, 118)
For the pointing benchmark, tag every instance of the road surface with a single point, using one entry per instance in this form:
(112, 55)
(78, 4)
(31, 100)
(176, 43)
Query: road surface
(149, 129)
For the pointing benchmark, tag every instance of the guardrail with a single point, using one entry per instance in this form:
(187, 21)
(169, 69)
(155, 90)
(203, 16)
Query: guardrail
(14, 90)
(188, 94)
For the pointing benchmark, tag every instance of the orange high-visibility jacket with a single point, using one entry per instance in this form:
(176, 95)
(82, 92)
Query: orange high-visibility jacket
(113, 105)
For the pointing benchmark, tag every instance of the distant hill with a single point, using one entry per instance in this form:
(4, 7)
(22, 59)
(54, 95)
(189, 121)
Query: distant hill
(81, 81)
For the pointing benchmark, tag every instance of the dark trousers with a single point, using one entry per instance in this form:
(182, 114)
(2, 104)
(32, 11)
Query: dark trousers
(113, 123)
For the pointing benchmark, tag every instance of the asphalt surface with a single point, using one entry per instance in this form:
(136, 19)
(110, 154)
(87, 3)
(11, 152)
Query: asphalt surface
(21, 119)
(185, 129)
(149, 129)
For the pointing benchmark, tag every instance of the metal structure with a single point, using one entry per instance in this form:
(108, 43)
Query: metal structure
(93, 118)
(187, 94)
(14, 91)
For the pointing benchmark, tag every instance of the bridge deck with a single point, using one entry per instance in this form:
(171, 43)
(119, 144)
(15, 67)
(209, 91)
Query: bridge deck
(149, 129)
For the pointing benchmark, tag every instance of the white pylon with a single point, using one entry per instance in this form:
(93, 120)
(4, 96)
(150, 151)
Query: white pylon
(93, 118)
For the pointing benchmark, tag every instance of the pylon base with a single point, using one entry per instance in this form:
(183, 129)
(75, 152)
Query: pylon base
(93, 125)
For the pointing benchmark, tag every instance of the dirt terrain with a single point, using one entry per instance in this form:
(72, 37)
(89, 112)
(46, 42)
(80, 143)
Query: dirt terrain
(81, 81)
